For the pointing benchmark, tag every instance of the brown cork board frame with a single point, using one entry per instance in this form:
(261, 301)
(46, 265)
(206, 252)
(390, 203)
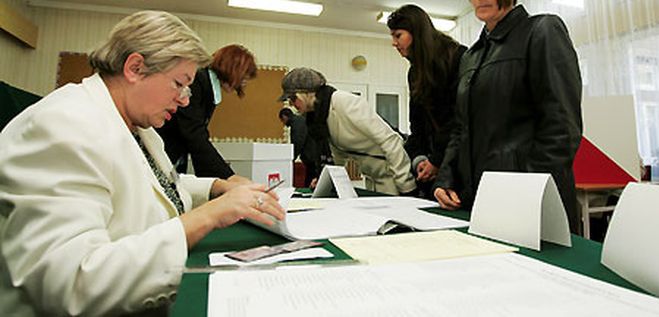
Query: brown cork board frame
(256, 114)
(72, 68)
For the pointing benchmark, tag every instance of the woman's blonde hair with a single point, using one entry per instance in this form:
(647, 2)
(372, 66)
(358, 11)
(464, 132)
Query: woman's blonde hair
(160, 37)
(308, 98)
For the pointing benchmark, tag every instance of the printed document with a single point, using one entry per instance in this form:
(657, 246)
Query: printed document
(418, 246)
(492, 285)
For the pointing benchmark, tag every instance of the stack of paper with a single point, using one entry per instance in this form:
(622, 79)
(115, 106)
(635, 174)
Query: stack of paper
(493, 285)
(359, 217)
(418, 246)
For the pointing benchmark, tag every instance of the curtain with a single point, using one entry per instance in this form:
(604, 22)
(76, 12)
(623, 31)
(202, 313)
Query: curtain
(617, 42)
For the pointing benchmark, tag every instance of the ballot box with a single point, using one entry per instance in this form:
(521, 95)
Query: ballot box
(264, 163)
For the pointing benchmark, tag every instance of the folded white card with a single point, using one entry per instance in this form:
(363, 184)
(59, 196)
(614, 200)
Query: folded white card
(334, 178)
(519, 208)
(630, 246)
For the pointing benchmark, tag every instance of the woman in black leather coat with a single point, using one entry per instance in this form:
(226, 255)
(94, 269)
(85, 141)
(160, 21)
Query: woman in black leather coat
(518, 105)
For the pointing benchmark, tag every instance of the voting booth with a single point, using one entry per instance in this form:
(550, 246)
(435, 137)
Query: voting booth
(261, 162)
(607, 159)
(608, 153)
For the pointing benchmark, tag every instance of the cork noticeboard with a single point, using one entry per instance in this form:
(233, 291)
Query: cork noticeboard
(72, 68)
(256, 115)
(253, 116)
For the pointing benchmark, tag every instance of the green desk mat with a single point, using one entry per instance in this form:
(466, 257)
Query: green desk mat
(192, 299)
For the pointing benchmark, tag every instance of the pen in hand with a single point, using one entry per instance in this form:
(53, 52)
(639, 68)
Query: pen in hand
(275, 185)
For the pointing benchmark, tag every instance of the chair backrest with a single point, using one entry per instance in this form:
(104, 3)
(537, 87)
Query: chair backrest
(13, 101)
(631, 243)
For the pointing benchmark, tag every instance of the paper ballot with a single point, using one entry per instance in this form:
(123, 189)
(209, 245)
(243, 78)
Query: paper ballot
(519, 208)
(359, 217)
(492, 285)
(418, 246)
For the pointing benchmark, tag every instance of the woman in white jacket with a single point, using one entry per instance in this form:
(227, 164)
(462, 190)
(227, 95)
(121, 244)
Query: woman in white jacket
(93, 220)
(346, 125)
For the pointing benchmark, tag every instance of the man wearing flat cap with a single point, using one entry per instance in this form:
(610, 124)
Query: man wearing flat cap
(349, 128)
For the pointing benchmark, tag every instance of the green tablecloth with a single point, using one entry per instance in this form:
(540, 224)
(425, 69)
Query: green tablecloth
(192, 298)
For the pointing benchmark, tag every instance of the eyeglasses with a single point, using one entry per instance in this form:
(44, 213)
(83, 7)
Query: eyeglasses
(183, 90)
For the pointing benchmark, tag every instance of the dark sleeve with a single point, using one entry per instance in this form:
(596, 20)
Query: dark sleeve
(447, 110)
(298, 135)
(448, 169)
(555, 84)
(446, 175)
(193, 126)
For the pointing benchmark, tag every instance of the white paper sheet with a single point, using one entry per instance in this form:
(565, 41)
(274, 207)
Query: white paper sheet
(418, 246)
(360, 216)
(305, 204)
(219, 258)
(496, 285)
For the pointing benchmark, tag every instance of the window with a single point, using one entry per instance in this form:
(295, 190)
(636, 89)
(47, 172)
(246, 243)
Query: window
(386, 106)
(390, 102)
(650, 130)
(646, 77)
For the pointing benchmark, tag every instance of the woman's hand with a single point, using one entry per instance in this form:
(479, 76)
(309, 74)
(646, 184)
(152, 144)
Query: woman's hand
(242, 202)
(448, 199)
(221, 186)
(425, 171)
(246, 201)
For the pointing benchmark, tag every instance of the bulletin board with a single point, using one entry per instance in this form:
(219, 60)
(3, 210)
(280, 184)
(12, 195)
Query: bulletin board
(72, 68)
(256, 115)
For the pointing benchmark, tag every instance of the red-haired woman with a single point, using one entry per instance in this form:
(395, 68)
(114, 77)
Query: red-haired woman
(187, 131)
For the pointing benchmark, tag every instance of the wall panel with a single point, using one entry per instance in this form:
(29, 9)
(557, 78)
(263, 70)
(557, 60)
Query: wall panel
(79, 31)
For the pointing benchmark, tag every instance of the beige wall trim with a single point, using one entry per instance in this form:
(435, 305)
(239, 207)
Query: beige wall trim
(14, 23)
(206, 18)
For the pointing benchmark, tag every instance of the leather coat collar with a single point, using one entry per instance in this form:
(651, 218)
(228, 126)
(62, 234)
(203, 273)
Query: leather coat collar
(503, 28)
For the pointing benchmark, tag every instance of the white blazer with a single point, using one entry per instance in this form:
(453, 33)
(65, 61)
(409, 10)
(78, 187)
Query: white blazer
(357, 131)
(85, 227)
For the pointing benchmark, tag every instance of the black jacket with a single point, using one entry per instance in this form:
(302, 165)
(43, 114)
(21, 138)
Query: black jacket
(518, 107)
(304, 146)
(187, 132)
(432, 115)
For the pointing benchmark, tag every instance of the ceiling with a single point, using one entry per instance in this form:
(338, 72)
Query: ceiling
(352, 15)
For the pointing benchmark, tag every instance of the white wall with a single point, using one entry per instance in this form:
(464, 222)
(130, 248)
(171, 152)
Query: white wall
(79, 31)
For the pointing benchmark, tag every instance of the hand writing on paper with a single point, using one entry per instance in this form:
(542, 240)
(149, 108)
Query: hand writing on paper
(448, 199)
(246, 201)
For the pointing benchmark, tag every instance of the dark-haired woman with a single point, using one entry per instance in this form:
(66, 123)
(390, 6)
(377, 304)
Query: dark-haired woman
(187, 130)
(518, 105)
(432, 79)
